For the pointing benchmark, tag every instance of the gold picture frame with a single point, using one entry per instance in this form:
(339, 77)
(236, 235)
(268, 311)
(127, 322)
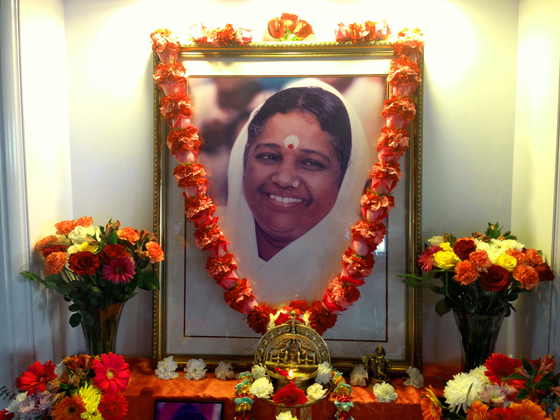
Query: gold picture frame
(172, 322)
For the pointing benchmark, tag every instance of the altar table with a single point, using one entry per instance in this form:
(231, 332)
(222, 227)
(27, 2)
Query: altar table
(145, 388)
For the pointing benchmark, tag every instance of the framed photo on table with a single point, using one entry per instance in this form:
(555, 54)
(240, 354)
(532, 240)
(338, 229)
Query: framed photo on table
(227, 87)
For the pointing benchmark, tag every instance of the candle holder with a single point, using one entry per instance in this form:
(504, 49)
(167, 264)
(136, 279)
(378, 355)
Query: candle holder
(292, 352)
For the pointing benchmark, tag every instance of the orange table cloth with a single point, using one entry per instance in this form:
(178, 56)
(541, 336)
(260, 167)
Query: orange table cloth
(145, 388)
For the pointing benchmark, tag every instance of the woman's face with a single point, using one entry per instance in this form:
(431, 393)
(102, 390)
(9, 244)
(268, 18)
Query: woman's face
(291, 176)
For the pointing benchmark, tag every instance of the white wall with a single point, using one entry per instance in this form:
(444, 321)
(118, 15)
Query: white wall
(535, 187)
(469, 117)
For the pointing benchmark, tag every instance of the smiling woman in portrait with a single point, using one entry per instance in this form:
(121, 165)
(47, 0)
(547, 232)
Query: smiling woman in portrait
(296, 173)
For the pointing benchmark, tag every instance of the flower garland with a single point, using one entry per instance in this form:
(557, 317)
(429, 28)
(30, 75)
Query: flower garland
(367, 233)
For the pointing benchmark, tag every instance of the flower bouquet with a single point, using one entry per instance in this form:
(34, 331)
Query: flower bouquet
(502, 388)
(480, 277)
(80, 387)
(95, 267)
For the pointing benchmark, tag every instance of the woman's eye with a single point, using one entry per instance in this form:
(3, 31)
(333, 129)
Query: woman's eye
(268, 157)
(312, 164)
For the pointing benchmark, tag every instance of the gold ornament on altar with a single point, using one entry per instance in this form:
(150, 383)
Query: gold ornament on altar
(292, 352)
(378, 367)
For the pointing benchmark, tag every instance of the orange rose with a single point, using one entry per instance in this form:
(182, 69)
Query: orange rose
(128, 234)
(65, 227)
(480, 260)
(466, 272)
(303, 29)
(276, 28)
(54, 263)
(155, 253)
(526, 275)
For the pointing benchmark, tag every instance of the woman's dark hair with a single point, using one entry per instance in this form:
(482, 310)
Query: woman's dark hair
(324, 105)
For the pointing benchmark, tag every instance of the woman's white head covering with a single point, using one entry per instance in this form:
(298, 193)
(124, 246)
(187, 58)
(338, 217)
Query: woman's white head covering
(304, 268)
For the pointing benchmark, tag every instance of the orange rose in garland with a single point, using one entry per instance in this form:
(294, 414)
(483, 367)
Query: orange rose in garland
(289, 27)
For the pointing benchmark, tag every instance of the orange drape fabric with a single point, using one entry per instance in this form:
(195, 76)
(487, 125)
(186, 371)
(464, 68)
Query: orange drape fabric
(145, 388)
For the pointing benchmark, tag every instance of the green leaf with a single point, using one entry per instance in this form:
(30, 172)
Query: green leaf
(522, 394)
(529, 367)
(75, 319)
(32, 276)
(148, 280)
(441, 307)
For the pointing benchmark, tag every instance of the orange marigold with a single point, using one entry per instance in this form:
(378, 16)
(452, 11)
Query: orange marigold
(526, 275)
(480, 259)
(84, 221)
(45, 242)
(477, 411)
(466, 272)
(431, 409)
(527, 409)
(54, 263)
(155, 253)
(533, 257)
(128, 234)
(65, 227)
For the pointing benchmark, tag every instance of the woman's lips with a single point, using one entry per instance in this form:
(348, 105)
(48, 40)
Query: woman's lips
(285, 201)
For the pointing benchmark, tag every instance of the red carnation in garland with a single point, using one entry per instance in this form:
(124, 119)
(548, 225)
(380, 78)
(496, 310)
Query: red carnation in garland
(111, 373)
(241, 297)
(113, 407)
(196, 207)
(259, 318)
(319, 319)
(36, 377)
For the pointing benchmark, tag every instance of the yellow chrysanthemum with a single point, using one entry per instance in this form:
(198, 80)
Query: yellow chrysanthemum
(91, 397)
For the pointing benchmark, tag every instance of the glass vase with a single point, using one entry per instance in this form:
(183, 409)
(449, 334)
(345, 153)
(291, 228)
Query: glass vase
(101, 335)
(479, 333)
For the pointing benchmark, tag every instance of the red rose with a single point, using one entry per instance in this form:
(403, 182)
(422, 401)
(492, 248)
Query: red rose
(545, 273)
(289, 20)
(495, 279)
(112, 252)
(319, 319)
(259, 318)
(290, 395)
(300, 306)
(83, 263)
(463, 248)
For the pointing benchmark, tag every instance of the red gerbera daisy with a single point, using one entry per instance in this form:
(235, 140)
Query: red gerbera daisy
(119, 270)
(113, 407)
(36, 377)
(111, 373)
(499, 367)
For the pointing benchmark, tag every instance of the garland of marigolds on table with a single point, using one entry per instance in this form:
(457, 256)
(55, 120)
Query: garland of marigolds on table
(357, 262)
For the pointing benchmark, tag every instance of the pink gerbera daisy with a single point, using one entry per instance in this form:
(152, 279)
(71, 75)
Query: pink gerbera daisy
(119, 270)
(426, 259)
(111, 373)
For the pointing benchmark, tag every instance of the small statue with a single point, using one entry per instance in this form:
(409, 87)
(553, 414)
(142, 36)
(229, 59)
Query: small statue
(379, 366)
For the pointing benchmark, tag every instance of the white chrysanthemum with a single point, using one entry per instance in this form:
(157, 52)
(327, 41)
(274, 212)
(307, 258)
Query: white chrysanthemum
(286, 415)
(60, 369)
(196, 369)
(224, 371)
(507, 244)
(323, 373)
(480, 374)
(359, 376)
(415, 378)
(258, 372)
(315, 392)
(494, 395)
(262, 388)
(166, 369)
(17, 401)
(273, 318)
(384, 392)
(462, 391)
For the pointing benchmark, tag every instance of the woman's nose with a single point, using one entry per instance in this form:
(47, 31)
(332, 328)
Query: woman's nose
(285, 176)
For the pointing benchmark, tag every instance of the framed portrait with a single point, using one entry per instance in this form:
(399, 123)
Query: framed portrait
(188, 410)
(286, 194)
